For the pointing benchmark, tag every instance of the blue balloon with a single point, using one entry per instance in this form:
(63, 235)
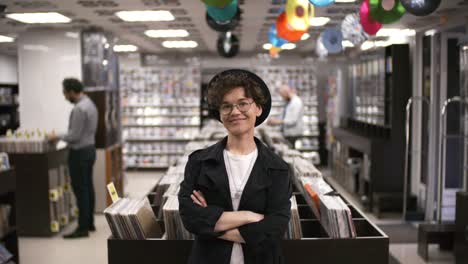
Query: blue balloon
(331, 39)
(321, 3)
(273, 37)
(223, 14)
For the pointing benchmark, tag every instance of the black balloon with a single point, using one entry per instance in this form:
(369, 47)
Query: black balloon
(221, 26)
(228, 45)
(420, 7)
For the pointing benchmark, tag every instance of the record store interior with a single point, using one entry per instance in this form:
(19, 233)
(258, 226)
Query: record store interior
(112, 113)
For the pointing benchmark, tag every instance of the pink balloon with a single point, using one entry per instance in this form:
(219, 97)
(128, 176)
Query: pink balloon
(369, 25)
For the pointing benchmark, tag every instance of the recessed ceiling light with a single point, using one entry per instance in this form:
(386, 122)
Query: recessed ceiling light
(347, 44)
(125, 48)
(147, 15)
(389, 32)
(180, 44)
(288, 46)
(318, 21)
(305, 36)
(167, 33)
(367, 45)
(6, 39)
(430, 32)
(39, 18)
(267, 46)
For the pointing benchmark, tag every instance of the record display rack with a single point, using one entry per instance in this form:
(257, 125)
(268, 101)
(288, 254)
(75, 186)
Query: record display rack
(304, 80)
(370, 246)
(44, 198)
(368, 155)
(160, 114)
(9, 239)
(9, 115)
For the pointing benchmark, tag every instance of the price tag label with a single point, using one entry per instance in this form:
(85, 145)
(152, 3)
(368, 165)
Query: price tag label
(112, 192)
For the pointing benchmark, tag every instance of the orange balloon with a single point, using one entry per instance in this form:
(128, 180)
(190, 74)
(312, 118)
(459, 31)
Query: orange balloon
(274, 51)
(285, 31)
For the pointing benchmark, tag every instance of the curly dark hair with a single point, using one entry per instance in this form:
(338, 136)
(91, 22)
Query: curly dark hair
(224, 83)
(72, 84)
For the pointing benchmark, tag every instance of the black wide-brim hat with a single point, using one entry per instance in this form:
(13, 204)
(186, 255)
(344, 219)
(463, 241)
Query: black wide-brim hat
(264, 88)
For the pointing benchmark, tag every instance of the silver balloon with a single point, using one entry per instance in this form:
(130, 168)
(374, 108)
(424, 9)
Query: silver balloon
(320, 49)
(351, 29)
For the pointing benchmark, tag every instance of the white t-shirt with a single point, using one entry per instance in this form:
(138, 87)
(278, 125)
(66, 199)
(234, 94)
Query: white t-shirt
(238, 169)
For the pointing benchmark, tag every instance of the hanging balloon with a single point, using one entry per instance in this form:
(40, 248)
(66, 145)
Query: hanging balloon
(273, 37)
(224, 26)
(386, 11)
(331, 39)
(420, 8)
(228, 45)
(217, 3)
(298, 13)
(321, 3)
(320, 48)
(369, 25)
(285, 32)
(223, 14)
(352, 30)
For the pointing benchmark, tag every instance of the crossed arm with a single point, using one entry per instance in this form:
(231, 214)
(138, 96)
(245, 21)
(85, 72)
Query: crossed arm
(229, 221)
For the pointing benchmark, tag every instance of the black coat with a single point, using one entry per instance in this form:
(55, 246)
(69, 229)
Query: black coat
(267, 191)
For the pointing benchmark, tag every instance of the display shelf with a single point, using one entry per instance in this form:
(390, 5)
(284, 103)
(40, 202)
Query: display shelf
(159, 101)
(47, 197)
(154, 153)
(8, 196)
(9, 115)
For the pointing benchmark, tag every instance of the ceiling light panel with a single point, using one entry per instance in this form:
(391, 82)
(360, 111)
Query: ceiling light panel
(39, 18)
(146, 15)
(180, 44)
(167, 33)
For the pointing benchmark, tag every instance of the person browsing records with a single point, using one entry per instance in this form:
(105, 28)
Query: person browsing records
(82, 155)
(235, 196)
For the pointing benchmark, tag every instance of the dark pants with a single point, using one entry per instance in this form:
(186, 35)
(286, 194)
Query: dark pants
(81, 162)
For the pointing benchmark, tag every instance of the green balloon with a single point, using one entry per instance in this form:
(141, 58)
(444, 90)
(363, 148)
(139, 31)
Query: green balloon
(217, 3)
(379, 14)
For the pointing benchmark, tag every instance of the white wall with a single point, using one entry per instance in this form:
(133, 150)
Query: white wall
(8, 69)
(45, 58)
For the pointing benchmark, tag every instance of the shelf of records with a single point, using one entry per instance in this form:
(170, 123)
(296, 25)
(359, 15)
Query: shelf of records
(193, 121)
(321, 220)
(25, 141)
(367, 80)
(160, 133)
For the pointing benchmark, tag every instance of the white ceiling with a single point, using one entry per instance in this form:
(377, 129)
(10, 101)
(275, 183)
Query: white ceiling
(257, 17)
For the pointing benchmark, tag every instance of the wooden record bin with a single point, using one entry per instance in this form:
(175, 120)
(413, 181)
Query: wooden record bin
(369, 247)
(9, 238)
(44, 199)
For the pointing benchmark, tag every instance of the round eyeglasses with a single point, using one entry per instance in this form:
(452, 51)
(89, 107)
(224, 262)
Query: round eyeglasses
(243, 106)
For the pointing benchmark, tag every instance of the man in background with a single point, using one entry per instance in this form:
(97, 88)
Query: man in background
(292, 125)
(81, 141)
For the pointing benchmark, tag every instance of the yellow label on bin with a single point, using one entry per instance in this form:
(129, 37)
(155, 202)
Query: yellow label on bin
(64, 220)
(53, 195)
(66, 187)
(54, 226)
(112, 192)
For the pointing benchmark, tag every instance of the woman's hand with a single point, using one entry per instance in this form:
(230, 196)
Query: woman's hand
(197, 197)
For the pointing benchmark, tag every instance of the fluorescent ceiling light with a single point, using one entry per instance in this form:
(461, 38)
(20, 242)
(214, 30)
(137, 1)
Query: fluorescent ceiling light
(39, 18)
(125, 48)
(430, 32)
(305, 36)
(347, 44)
(267, 46)
(288, 46)
(367, 45)
(318, 21)
(167, 33)
(179, 44)
(6, 39)
(391, 32)
(465, 48)
(147, 15)
(345, 1)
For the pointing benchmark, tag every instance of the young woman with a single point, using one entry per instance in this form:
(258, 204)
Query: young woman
(235, 194)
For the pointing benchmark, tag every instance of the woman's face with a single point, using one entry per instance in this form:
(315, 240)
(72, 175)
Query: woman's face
(238, 122)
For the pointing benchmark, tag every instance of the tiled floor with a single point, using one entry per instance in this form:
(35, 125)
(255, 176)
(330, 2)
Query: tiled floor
(93, 250)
